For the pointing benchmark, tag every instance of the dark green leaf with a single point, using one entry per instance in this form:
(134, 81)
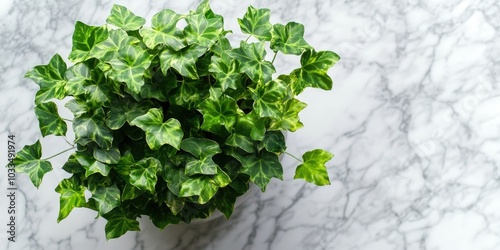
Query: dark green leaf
(72, 195)
(314, 71)
(164, 31)
(262, 168)
(176, 204)
(162, 217)
(289, 39)
(244, 142)
(184, 60)
(251, 58)
(220, 112)
(313, 169)
(72, 165)
(274, 141)
(119, 222)
(200, 147)
(224, 201)
(256, 23)
(84, 39)
(28, 161)
(106, 199)
(92, 165)
(202, 186)
(78, 108)
(50, 78)
(143, 174)
(159, 87)
(91, 127)
(108, 156)
(126, 110)
(157, 131)
(131, 192)
(123, 18)
(50, 122)
(251, 125)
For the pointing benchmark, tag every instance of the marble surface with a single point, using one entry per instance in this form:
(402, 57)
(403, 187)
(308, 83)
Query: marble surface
(413, 120)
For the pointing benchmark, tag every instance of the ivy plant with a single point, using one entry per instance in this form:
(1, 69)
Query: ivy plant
(173, 123)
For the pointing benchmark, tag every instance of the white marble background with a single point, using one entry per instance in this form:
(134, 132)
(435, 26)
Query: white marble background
(413, 119)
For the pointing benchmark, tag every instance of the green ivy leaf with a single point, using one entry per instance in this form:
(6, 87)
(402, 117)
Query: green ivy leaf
(251, 125)
(164, 31)
(119, 222)
(92, 165)
(251, 58)
(313, 169)
(126, 110)
(290, 118)
(221, 112)
(163, 217)
(50, 122)
(123, 18)
(202, 31)
(274, 141)
(314, 71)
(225, 200)
(268, 98)
(225, 71)
(130, 67)
(289, 39)
(106, 199)
(159, 87)
(50, 78)
(157, 131)
(72, 165)
(78, 77)
(28, 161)
(108, 49)
(176, 204)
(204, 187)
(189, 93)
(204, 8)
(262, 168)
(244, 142)
(255, 22)
(72, 195)
(78, 108)
(204, 150)
(143, 174)
(108, 156)
(131, 192)
(91, 127)
(184, 60)
(85, 37)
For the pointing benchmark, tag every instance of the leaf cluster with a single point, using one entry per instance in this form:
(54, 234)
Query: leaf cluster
(170, 122)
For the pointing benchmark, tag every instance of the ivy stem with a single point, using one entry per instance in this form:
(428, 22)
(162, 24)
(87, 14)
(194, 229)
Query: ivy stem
(60, 153)
(71, 144)
(274, 57)
(248, 38)
(293, 156)
(68, 120)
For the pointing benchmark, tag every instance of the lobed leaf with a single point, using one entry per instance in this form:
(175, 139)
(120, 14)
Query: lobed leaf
(108, 49)
(290, 117)
(225, 71)
(314, 71)
(158, 132)
(50, 122)
(124, 19)
(72, 195)
(289, 39)
(130, 67)
(313, 169)
(143, 174)
(184, 60)
(92, 165)
(251, 58)
(164, 31)
(256, 23)
(85, 37)
(217, 113)
(106, 198)
(28, 161)
(119, 222)
(50, 78)
(261, 168)
(91, 127)
(202, 31)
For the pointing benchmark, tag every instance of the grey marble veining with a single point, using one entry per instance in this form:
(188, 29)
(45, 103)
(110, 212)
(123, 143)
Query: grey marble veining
(413, 120)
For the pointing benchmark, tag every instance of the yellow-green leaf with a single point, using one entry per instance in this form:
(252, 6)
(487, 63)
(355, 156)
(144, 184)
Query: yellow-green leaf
(313, 169)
